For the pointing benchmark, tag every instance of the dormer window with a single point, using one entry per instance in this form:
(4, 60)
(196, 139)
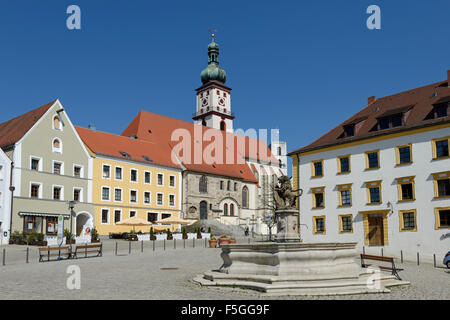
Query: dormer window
(439, 111)
(393, 121)
(349, 131)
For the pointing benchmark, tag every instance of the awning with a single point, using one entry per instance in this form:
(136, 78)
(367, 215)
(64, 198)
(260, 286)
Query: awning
(44, 214)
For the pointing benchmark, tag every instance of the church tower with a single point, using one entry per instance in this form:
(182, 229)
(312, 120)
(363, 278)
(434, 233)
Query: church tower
(213, 97)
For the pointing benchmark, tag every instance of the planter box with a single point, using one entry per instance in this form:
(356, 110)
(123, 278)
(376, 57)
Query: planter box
(212, 243)
(223, 241)
(70, 241)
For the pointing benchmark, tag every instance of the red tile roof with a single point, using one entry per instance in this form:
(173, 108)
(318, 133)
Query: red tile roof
(13, 130)
(154, 127)
(418, 101)
(111, 145)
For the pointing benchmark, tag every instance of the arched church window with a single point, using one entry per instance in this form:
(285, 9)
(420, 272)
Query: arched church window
(56, 123)
(222, 125)
(225, 209)
(279, 151)
(245, 197)
(203, 184)
(232, 210)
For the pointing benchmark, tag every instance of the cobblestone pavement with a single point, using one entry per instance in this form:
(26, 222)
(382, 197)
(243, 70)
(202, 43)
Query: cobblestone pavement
(167, 274)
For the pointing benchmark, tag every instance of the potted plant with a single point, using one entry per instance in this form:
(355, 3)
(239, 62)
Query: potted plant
(15, 237)
(152, 234)
(40, 240)
(224, 239)
(32, 238)
(69, 237)
(169, 235)
(199, 233)
(232, 240)
(209, 230)
(212, 242)
(94, 236)
(185, 235)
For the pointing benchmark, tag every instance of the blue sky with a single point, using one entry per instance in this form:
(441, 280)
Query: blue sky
(300, 66)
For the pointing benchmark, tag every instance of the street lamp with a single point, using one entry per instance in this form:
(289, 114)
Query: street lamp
(71, 207)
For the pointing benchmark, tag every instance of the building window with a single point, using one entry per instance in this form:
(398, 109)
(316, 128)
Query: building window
(105, 216)
(35, 190)
(245, 197)
(404, 155)
(439, 111)
(318, 197)
(221, 185)
(133, 196)
(345, 223)
(408, 220)
(345, 195)
(172, 200)
(35, 164)
(235, 186)
(77, 171)
(406, 189)
(441, 184)
(57, 146)
(440, 148)
(133, 175)
(152, 217)
(118, 195)
(317, 168)
(225, 209)
(118, 173)
(147, 177)
(319, 225)
(390, 122)
(132, 214)
(105, 194)
(372, 160)
(32, 224)
(56, 123)
(51, 227)
(159, 199)
(172, 181)
(77, 195)
(203, 184)
(117, 216)
(160, 179)
(106, 172)
(147, 197)
(442, 218)
(373, 192)
(232, 209)
(343, 164)
(228, 185)
(57, 168)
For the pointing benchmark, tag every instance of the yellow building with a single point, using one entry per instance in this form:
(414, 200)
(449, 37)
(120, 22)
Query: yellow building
(130, 178)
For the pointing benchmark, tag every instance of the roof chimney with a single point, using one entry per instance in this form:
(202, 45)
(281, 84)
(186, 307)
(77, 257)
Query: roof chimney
(371, 100)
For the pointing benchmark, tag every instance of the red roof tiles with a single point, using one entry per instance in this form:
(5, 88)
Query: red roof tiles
(13, 130)
(416, 105)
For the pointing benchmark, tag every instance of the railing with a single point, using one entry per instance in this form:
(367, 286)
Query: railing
(206, 110)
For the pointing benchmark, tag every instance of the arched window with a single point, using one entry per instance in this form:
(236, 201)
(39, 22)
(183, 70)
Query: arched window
(57, 146)
(222, 125)
(245, 197)
(231, 209)
(56, 123)
(279, 151)
(225, 209)
(203, 184)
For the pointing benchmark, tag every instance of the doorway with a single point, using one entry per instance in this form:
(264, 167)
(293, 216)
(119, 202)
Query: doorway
(375, 233)
(203, 210)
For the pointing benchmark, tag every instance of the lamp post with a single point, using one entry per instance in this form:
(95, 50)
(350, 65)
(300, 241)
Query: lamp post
(71, 207)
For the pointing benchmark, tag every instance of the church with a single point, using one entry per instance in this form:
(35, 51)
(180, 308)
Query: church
(235, 187)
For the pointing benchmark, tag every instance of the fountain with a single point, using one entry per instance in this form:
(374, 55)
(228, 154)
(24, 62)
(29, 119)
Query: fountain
(288, 266)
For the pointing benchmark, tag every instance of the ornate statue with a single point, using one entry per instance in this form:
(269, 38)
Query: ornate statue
(284, 196)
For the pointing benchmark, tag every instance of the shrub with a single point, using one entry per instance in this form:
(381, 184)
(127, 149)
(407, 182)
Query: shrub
(169, 234)
(40, 237)
(152, 234)
(32, 238)
(199, 234)
(94, 235)
(67, 234)
(209, 230)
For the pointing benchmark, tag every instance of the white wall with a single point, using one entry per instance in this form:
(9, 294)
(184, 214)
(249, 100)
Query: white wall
(5, 197)
(425, 240)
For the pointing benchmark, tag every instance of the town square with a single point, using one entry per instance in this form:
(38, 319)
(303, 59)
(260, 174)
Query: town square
(247, 152)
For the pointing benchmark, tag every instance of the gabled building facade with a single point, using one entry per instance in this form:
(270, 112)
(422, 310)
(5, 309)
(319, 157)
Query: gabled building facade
(132, 178)
(382, 177)
(51, 167)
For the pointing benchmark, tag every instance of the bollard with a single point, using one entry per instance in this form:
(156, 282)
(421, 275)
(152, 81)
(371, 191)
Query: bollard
(174, 243)
(28, 252)
(364, 250)
(129, 247)
(248, 240)
(401, 256)
(4, 256)
(418, 259)
(205, 242)
(184, 243)
(193, 242)
(154, 245)
(85, 250)
(164, 244)
(434, 258)
(382, 252)
(142, 246)
(116, 248)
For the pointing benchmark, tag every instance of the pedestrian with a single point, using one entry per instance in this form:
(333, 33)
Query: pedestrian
(246, 231)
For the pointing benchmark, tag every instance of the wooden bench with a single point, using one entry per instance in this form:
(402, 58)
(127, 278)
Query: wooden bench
(86, 249)
(390, 260)
(63, 251)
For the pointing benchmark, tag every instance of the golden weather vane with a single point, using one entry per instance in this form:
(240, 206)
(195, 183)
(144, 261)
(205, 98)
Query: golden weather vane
(212, 31)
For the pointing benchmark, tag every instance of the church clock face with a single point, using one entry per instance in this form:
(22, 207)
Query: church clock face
(204, 101)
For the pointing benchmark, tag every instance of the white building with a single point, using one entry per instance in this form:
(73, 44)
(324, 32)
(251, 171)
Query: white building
(382, 178)
(5, 197)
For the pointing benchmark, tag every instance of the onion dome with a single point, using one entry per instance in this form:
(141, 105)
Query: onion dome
(213, 71)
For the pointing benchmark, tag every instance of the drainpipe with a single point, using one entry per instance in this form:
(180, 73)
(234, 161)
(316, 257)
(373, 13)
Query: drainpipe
(11, 188)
